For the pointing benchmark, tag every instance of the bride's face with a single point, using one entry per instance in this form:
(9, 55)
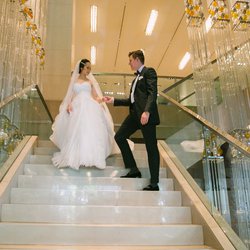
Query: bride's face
(87, 69)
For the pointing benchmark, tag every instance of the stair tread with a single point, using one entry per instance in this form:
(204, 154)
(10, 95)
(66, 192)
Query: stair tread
(103, 225)
(100, 234)
(109, 171)
(95, 197)
(95, 214)
(51, 247)
(104, 183)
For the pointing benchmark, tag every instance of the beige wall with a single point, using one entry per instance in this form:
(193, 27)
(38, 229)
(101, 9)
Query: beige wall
(56, 73)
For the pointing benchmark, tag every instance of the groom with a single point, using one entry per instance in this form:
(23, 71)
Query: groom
(143, 115)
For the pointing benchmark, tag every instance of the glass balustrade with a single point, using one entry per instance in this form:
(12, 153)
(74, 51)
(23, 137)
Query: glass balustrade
(22, 114)
(217, 163)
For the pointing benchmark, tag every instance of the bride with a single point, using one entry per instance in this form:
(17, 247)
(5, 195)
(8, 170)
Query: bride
(83, 130)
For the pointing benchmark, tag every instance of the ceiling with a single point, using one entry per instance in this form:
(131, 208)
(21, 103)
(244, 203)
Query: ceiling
(120, 28)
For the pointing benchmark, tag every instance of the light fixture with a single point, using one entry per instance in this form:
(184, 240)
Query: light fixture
(184, 61)
(151, 22)
(93, 55)
(93, 19)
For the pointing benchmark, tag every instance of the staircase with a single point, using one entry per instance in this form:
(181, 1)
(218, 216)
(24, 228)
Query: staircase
(92, 208)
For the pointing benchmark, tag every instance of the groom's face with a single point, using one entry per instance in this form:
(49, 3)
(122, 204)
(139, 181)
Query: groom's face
(134, 63)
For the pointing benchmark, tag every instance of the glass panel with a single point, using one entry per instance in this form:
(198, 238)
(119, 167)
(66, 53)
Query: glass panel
(216, 161)
(181, 91)
(24, 115)
(33, 117)
(120, 83)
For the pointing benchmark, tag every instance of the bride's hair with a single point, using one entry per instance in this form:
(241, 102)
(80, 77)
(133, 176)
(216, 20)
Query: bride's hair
(82, 64)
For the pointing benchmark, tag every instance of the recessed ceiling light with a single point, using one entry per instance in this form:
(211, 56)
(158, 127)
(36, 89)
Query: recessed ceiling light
(93, 55)
(151, 22)
(93, 18)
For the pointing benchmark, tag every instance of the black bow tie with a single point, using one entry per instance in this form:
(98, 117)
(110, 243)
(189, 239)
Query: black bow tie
(137, 73)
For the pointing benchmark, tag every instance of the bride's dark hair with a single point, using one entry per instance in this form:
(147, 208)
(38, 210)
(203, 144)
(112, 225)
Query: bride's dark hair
(82, 64)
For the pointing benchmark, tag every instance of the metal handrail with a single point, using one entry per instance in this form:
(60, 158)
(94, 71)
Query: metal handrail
(44, 103)
(14, 96)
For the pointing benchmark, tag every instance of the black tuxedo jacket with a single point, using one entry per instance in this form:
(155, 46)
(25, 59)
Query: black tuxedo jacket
(145, 96)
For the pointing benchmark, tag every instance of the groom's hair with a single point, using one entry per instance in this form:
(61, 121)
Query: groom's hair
(137, 54)
(82, 64)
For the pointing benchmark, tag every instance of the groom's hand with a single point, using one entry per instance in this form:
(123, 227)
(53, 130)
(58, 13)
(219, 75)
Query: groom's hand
(108, 99)
(144, 118)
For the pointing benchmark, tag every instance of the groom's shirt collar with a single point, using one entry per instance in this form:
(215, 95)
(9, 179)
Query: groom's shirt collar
(140, 69)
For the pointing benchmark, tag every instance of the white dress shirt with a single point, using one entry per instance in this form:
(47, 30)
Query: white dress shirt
(134, 85)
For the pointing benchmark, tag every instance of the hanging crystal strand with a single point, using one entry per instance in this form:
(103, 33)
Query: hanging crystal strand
(242, 67)
(240, 170)
(37, 18)
(215, 175)
(231, 92)
(10, 54)
(203, 80)
(21, 33)
(241, 25)
(241, 185)
(14, 45)
(3, 22)
(33, 59)
(232, 65)
(4, 42)
(245, 166)
(213, 163)
(42, 25)
(224, 200)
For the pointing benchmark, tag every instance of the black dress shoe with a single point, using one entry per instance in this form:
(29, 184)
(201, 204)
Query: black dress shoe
(132, 175)
(151, 188)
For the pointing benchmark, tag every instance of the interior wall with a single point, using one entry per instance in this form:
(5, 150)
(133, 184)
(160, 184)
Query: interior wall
(57, 70)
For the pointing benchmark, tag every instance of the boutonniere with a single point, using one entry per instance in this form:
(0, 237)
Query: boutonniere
(140, 77)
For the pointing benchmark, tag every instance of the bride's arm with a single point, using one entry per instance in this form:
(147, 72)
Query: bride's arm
(69, 106)
(94, 94)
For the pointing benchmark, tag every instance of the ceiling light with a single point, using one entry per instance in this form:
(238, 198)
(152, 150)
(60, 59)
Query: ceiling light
(93, 55)
(151, 22)
(93, 20)
(184, 61)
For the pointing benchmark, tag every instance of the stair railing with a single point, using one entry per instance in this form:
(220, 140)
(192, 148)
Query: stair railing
(219, 164)
(22, 114)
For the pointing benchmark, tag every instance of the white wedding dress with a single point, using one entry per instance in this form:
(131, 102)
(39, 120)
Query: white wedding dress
(82, 136)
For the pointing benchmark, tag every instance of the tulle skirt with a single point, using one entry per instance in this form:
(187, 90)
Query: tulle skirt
(83, 136)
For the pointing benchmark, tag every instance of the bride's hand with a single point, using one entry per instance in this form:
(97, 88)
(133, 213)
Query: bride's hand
(69, 108)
